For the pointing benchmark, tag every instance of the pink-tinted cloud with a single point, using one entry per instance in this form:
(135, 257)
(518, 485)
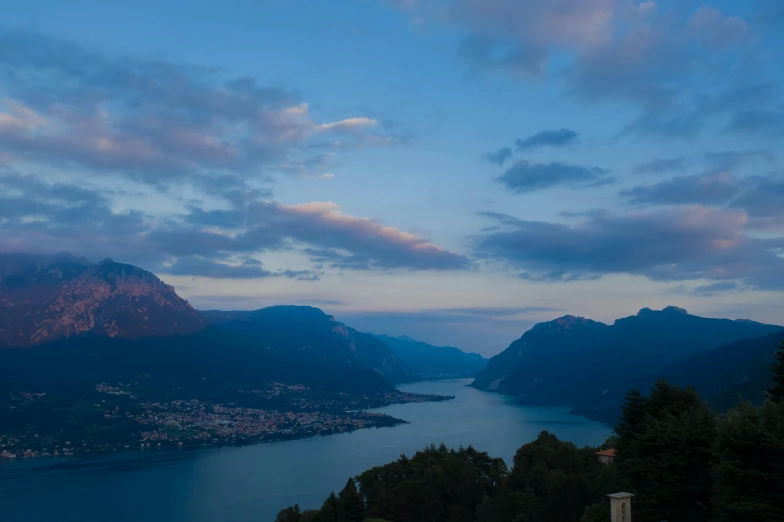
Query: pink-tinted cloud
(155, 121)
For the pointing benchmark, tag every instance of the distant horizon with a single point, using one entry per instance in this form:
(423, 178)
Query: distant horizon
(489, 330)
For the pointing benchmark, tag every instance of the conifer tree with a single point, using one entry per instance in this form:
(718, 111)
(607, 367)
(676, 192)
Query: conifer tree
(351, 507)
(632, 415)
(666, 458)
(290, 514)
(749, 474)
(776, 392)
(329, 510)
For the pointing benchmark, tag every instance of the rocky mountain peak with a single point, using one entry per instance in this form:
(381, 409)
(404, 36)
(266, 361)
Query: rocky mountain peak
(565, 323)
(59, 300)
(667, 310)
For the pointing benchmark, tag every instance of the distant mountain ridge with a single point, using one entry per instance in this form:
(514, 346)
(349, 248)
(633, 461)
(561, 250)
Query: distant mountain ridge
(95, 313)
(47, 298)
(591, 365)
(429, 361)
(304, 332)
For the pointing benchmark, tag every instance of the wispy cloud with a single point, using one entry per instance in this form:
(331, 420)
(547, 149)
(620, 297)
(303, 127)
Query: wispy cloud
(155, 121)
(524, 177)
(549, 138)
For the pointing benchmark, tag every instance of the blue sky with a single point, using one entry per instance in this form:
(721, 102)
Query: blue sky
(453, 170)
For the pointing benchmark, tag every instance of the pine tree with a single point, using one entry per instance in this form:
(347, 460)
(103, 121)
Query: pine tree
(351, 507)
(749, 474)
(310, 515)
(776, 392)
(632, 415)
(290, 514)
(329, 509)
(666, 457)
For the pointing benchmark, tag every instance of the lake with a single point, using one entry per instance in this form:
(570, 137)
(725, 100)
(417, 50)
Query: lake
(253, 483)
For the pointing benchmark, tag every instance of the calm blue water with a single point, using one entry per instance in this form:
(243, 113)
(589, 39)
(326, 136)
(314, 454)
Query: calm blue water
(253, 483)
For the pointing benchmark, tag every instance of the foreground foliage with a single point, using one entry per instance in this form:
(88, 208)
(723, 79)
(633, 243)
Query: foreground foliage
(679, 460)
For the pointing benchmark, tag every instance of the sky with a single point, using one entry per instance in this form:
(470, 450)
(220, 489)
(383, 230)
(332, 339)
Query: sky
(451, 170)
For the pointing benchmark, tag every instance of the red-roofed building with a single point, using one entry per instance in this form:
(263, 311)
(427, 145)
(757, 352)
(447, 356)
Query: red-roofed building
(606, 456)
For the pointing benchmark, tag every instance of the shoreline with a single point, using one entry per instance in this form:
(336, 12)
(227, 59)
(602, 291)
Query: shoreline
(148, 447)
(144, 445)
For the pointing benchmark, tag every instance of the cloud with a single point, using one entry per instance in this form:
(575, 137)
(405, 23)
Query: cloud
(488, 53)
(705, 189)
(730, 159)
(713, 288)
(716, 30)
(660, 165)
(462, 315)
(708, 290)
(525, 33)
(524, 177)
(348, 125)
(772, 12)
(746, 105)
(763, 122)
(550, 138)
(327, 175)
(759, 196)
(642, 52)
(666, 58)
(665, 245)
(498, 312)
(95, 118)
(306, 165)
(347, 241)
(254, 302)
(327, 235)
(200, 266)
(38, 215)
(498, 157)
(762, 198)
(154, 121)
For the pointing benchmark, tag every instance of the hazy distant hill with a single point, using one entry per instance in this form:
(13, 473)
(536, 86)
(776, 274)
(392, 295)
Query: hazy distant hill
(428, 361)
(591, 365)
(724, 374)
(306, 334)
(46, 298)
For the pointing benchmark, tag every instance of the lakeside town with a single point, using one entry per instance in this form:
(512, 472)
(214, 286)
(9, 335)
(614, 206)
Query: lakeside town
(276, 413)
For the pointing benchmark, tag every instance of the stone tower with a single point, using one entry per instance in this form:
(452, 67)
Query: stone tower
(621, 507)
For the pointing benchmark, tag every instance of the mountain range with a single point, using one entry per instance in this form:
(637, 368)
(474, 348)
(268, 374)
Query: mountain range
(591, 365)
(67, 322)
